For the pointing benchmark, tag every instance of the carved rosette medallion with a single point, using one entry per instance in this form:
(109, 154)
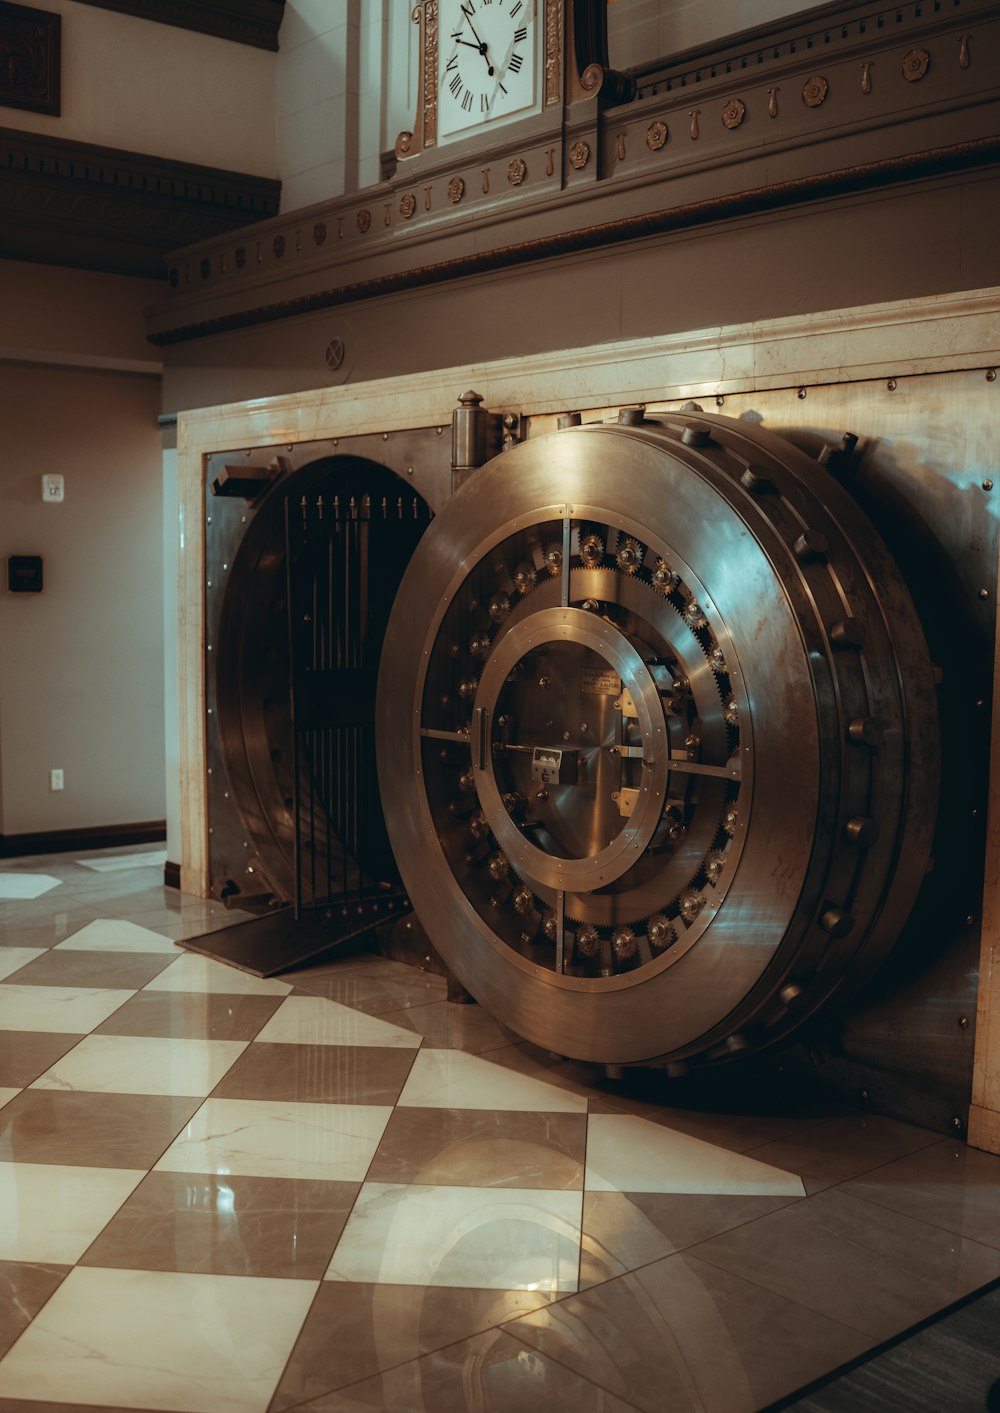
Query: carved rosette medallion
(278, 246)
(456, 190)
(407, 205)
(656, 136)
(733, 113)
(814, 91)
(517, 170)
(319, 232)
(364, 219)
(579, 155)
(915, 64)
(553, 52)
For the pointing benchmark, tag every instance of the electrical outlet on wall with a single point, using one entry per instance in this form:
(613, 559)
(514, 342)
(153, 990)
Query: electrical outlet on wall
(56, 781)
(53, 488)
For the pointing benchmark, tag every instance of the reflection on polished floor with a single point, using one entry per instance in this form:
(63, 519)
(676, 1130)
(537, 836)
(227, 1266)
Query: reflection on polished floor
(338, 1192)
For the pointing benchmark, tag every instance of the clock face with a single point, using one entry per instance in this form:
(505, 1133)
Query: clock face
(487, 67)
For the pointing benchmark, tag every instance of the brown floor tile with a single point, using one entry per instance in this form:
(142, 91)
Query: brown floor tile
(25, 1054)
(851, 1261)
(481, 1148)
(372, 989)
(624, 1231)
(326, 1074)
(834, 1150)
(682, 1335)
(738, 1132)
(191, 1016)
(127, 970)
(458, 1027)
(355, 1331)
(44, 929)
(947, 1185)
(90, 1130)
(226, 1226)
(24, 1288)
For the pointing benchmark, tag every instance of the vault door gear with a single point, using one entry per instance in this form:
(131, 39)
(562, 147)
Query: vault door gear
(657, 740)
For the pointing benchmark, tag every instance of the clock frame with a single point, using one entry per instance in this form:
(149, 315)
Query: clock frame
(571, 58)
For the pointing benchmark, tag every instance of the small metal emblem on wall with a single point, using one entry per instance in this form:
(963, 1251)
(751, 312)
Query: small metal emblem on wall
(29, 58)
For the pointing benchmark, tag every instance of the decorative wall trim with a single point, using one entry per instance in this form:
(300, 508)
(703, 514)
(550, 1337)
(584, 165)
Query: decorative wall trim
(29, 51)
(254, 22)
(751, 202)
(67, 841)
(100, 208)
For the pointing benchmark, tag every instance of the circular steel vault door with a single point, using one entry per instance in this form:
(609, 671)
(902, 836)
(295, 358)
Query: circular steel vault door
(656, 739)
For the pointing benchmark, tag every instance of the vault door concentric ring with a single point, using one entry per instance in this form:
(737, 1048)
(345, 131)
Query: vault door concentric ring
(658, 749)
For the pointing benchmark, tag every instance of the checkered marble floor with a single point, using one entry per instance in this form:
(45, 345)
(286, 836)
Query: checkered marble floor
(335, 1191)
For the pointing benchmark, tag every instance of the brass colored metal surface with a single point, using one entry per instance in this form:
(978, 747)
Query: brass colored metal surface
(615, 747)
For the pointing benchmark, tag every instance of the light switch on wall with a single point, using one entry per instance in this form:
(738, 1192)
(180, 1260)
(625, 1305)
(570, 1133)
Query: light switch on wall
(52, 488)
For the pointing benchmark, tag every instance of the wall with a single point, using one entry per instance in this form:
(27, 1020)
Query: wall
(346, 87)
(641, 31)
(81, 665)
(161, 90)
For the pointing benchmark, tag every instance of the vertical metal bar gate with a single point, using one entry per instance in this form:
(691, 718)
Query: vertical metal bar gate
(346, 546)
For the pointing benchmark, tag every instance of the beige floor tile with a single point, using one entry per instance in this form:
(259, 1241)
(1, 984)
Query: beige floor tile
(50, 1213)
(483, 1238)
(159, 1340)
(277, 1138)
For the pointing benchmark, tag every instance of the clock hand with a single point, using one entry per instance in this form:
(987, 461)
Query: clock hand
(479, 42)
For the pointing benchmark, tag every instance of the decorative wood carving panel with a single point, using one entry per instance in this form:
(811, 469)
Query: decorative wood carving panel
(29, 58)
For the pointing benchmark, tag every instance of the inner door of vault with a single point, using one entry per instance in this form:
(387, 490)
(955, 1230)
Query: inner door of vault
(346, 543)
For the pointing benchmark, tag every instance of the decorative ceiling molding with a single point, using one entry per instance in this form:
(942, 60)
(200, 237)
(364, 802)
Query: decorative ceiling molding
(99, 208)
(29, 58)
(254, 22)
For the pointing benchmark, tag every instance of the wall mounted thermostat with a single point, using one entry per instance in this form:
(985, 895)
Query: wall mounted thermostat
(24, 573)
(53, 488)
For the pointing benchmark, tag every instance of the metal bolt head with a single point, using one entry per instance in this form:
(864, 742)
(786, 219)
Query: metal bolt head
(991, 375)
(802, 393)
(984, 593)
(892, 385)
(987, 485)
(963, 1022)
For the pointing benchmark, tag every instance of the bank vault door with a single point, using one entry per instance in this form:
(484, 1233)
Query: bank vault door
(304, 557)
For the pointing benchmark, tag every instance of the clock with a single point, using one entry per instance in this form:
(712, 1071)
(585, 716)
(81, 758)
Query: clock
(487, 64)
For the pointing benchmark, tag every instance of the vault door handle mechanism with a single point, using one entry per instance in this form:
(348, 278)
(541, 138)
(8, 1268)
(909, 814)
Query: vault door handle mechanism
(480, 738)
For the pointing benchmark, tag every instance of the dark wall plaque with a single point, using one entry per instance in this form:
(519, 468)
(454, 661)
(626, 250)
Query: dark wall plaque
(29, 58)
(24, 573)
